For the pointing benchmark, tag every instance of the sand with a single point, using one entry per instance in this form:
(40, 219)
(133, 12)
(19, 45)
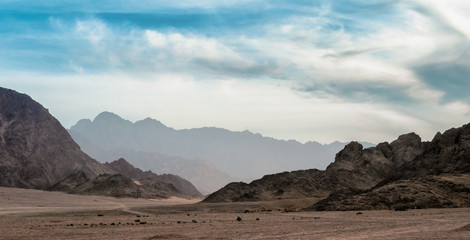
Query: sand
(30, 214)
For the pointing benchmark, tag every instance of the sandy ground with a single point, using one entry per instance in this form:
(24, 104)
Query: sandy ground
(29, 214)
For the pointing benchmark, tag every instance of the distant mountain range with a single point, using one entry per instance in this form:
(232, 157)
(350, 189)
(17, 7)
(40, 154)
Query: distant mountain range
(406, 173)
(209, 157)
(37, 152)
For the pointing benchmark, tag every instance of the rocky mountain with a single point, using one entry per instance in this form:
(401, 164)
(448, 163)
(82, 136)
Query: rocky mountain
(373, 178)
(117, 185)
(182, 185)
(244, 155)
(432, 191)
(35, 150)
(127, 182)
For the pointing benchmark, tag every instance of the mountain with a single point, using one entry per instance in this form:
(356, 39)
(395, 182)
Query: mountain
(35, 150)
(403, 174)
(244, 155)
(183, 186)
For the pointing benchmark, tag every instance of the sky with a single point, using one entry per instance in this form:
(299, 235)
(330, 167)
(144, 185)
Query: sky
(305, 70)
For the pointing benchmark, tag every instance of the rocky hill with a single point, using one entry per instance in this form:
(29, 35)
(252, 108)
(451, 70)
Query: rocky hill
(182, 185)
(35, 150)
(127, 182)
(117, 185)
(372, 175)
(446, 190)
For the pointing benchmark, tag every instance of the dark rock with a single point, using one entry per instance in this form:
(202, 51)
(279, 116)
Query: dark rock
(35, 150)
(177, 186)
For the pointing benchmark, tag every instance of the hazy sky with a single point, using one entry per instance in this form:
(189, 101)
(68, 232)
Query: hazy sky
(306, 70)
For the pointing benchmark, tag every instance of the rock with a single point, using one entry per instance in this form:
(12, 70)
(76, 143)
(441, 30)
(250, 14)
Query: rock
(36, 151)
(177, 186)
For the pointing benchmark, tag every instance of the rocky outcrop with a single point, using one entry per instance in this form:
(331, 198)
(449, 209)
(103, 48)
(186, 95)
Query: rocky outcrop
(432, 191)
(35, 150)
(183, 186)
(118, 185)
(365, 173)
(70, 182)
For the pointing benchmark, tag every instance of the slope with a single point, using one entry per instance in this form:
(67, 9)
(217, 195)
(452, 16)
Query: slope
(35, 150)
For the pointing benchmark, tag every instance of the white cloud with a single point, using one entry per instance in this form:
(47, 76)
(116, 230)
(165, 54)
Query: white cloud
(161, 74)
(456, 13)
(93, 30)
(190, 48)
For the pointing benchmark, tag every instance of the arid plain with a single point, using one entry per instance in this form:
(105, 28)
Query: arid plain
(32, 214)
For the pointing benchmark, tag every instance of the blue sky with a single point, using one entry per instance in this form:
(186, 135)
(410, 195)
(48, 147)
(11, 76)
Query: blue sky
(305, 70)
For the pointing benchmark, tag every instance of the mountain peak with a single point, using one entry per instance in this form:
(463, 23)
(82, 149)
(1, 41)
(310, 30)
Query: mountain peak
(106, 116)
(150, 123)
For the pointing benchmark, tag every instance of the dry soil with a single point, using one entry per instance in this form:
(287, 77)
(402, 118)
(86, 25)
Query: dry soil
(31, 214)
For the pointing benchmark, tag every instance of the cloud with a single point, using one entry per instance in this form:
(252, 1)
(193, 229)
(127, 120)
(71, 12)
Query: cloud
(199, 51)
(291, 69)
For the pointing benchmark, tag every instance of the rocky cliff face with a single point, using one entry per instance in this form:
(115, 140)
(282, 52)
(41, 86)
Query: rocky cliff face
(183, 186)
(35, 150)
(361, 171)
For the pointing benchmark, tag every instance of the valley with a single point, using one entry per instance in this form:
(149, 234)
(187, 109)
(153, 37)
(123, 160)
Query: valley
(52, 215)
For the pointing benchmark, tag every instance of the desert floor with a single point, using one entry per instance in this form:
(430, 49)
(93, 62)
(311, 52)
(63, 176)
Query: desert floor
(31, 214)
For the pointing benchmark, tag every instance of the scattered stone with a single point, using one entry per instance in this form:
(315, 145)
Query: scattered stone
(113, 224)
(239, 218)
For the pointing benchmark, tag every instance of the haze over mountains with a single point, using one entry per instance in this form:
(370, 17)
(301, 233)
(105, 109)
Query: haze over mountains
(209, 157)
